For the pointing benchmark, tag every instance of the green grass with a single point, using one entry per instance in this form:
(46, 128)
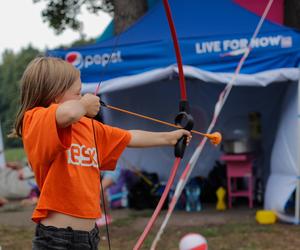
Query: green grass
(14, 154)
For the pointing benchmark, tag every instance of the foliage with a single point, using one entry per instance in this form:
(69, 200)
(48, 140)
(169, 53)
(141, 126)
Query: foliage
(292, 13)
(12, 67)
(11, 70)
(14, 154)
(81, 42)
(62, 14)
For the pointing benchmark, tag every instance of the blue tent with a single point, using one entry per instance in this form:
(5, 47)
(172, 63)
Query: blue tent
(205, 30)
(142, 70)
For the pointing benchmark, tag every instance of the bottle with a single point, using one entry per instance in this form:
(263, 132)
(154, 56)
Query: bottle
(221, 205)
(259, 193)
(124, 199)
(193, 198)
(255, 125)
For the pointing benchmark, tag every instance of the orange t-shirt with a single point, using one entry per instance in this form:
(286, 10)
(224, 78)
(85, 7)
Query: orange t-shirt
(65, 163)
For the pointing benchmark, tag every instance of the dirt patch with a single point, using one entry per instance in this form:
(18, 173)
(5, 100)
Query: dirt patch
(233, 229)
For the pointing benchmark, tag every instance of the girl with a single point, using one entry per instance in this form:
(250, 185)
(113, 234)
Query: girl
(60, 142)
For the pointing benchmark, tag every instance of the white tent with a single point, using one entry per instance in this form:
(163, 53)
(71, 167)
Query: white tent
(276, 102)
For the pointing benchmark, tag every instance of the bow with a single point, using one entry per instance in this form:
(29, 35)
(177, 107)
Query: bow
(183, 118)
(222, 99)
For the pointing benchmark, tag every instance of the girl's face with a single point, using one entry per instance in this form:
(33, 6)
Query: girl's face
(73, 93)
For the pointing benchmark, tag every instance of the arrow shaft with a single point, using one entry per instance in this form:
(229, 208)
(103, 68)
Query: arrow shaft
(151, 119)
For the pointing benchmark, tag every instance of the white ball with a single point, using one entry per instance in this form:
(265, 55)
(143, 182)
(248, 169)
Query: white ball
(193, 241)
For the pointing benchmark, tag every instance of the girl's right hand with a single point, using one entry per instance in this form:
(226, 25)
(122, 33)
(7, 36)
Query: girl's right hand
(91, 104)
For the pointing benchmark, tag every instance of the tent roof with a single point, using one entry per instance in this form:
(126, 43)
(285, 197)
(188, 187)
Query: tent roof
(194, 19)
(206, 30)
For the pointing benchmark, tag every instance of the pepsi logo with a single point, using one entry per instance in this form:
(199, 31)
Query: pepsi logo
(85, 61)
(75, 59)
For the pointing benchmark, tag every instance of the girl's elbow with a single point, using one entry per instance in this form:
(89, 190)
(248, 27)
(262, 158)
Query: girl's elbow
(132, 143)
(66, 117)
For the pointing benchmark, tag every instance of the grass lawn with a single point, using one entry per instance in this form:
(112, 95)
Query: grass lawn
(233, 229)
(14, 154)
(230, 230)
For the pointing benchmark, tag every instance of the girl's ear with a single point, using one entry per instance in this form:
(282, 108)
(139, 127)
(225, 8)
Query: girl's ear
(57, 99)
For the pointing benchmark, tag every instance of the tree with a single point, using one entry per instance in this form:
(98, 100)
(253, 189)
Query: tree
(292, 13)
(127, 12)
(11, 70)
(63, 14)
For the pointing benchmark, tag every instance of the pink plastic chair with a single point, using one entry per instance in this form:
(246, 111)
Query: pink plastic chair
(239, 166)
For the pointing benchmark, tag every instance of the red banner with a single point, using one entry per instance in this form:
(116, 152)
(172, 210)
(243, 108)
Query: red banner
(258, 6)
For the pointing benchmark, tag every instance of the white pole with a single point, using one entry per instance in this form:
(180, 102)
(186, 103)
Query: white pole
(2, 158)
(297, 207)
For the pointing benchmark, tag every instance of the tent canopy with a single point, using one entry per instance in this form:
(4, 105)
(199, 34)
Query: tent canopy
(207, 30)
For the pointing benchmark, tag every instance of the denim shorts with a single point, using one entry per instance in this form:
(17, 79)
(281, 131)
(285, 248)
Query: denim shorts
(49, 237)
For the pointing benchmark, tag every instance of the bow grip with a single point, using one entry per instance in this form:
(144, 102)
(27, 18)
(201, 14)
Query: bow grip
(180, 147)
(99, 116)
(186, 121)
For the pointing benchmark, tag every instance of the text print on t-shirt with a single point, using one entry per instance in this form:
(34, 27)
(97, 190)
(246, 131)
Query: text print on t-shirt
(80, 155)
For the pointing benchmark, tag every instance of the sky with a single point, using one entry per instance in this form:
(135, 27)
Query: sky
(21, 24)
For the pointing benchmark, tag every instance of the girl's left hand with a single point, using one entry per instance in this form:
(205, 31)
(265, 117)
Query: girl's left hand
(177, 134)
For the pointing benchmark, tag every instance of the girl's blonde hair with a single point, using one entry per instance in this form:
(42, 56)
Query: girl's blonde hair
(44, 81)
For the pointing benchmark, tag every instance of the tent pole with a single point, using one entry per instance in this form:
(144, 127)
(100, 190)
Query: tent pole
(297, 206)
(2, 157)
